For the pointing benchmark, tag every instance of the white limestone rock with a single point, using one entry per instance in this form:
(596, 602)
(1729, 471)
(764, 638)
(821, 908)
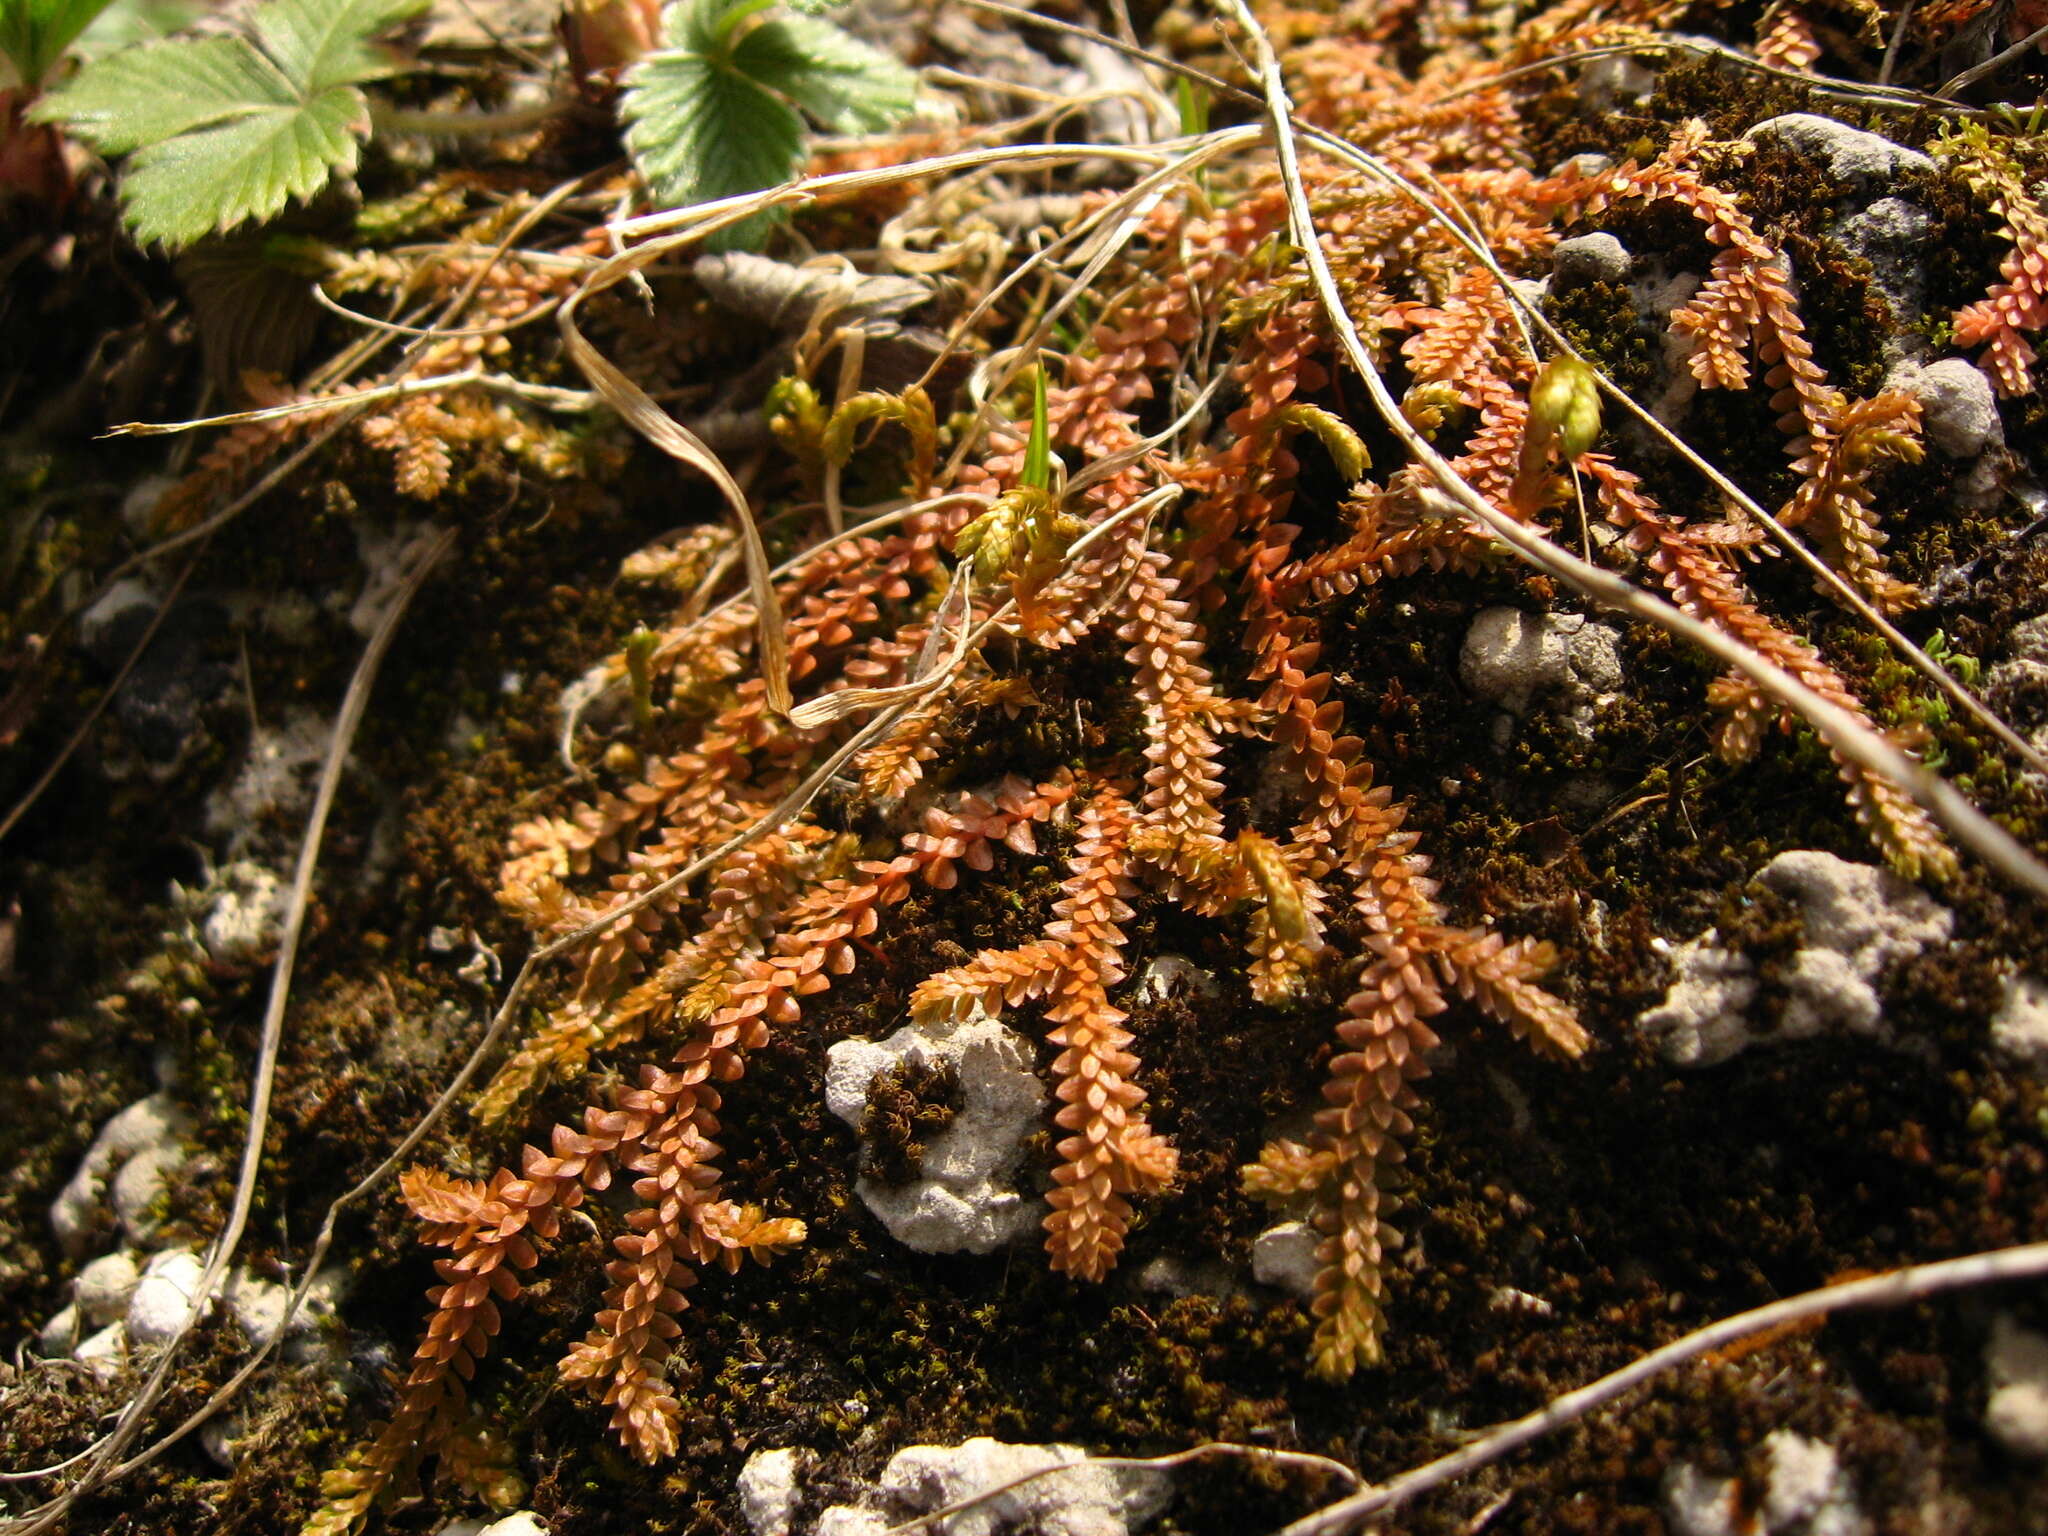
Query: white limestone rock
(243, 912)
(2016, 1414)
(165, 1297)
(145, 1137)
(769, 1492)
(1512, 658)
(1088, 1501)
(106, 1286)
(259, 1307)
(1285, 1256)
(1852, 154)
(1607, 84)
(521, 1522)
(60, 1335)
(1856, 922)
(1805, 1493)
(221, 1438)
(962, 1200)
(389, 556)
(1163, 973)
(2020, 1027)
(1958, 409)
(275, 783)
(105, 1352)
(2016, 686)
(110, 627)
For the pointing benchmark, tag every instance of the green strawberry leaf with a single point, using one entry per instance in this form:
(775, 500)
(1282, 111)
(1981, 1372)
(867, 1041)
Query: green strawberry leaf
(224, 131)
(717, 112)
(837, 79)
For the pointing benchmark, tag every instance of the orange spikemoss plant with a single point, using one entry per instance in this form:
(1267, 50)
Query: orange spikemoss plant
(1171, 517)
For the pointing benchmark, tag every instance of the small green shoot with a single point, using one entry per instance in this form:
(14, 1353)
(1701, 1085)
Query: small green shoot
(1966, 669)
(1037, 471)
(1023, 536)
(720, 110)
(640, 674)
(1193, 102)
(223, 131)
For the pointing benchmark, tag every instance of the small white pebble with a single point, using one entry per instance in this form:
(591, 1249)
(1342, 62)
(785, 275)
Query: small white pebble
(165, 1297)
(2016, 1359)
(105, 1286)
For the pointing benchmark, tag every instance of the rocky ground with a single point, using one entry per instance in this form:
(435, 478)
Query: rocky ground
(1804, 1068)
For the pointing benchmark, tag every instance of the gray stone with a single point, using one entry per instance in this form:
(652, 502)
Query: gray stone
(1704, 1016)
(1596, 258)
(1856, 922)
(1163, 973)
(1958, 408)
(2028, 639)
(1285, 1256)
(221, 1438)
(1851, 154)
(1586, 163)
(1168, 1275)
(1513, 658)
(259, 1306)
(1606, 84)
(1123, 105)
(1891, 235)
(962, 1200)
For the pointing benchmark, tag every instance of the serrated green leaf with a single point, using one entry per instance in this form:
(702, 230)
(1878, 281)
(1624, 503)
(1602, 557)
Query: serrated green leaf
(715, 113)
(324, 43)
(220, 177)
(701, 130)
(35, 33)
(127, 23)
(153, 93)
(836, 78)
(224, 131)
